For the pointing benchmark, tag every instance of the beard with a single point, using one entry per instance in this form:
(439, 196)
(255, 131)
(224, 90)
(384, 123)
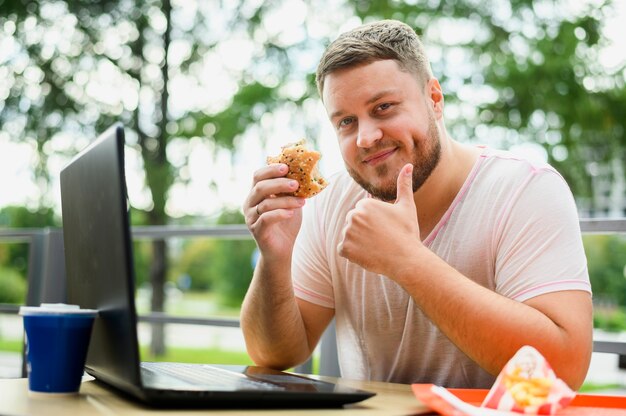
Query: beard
(425, 158)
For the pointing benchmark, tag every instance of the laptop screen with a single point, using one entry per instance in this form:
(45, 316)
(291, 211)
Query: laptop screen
(98, 256)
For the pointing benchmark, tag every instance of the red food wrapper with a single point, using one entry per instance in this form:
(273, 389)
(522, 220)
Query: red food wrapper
(527, 384)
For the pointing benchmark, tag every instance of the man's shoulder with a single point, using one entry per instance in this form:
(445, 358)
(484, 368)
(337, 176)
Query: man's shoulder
(501, 175)
(508, 165)
(509, 179)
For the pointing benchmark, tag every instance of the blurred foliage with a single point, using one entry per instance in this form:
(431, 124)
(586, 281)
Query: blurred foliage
(530, 72)
(223, 266)
(142, 255)
(607, 270)
(233, 263)
(72, 68)
(15, 255)
(64, 53)
(610, 319)
(535, 61)
(22, 217)
(196, 262)
(142, 249)
(606, 260)
(13, 286)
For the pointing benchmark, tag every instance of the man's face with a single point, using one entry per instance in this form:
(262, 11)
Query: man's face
(383, 119)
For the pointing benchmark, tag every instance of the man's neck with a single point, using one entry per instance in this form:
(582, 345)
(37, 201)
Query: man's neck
(436, 194)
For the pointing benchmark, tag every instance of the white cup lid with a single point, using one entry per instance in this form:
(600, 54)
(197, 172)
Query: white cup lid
(56, 309)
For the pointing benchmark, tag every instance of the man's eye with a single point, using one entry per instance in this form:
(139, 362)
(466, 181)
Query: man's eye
(384, 106)
(345, 122)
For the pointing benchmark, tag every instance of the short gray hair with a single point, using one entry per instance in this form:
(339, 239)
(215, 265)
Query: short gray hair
(384, 39)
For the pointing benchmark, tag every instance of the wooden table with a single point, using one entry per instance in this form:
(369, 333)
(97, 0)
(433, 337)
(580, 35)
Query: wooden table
(94, 399)
(391, 399)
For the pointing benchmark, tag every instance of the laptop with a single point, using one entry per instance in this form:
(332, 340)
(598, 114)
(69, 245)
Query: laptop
(100, 275)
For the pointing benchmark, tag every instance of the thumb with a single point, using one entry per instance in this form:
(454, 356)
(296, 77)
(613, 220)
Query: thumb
(404, 193)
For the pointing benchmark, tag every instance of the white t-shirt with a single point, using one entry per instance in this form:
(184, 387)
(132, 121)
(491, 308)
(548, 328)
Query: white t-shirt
(512, 228)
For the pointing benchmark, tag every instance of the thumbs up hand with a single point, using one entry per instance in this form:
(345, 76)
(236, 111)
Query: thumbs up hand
(404, 193)
(380, 236)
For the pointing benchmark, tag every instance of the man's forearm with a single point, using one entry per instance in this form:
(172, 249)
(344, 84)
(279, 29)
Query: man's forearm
(490, 328)
(270, 319)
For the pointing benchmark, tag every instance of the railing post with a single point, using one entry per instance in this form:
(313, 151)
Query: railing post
(46, 272)
(35, 268)
(54, 287)
(329, 359)
(46, 268)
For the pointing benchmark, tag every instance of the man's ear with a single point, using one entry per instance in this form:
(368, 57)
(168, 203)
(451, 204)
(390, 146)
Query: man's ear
(435, 96)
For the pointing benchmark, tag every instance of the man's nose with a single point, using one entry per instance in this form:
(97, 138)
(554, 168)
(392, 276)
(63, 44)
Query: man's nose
(369, 133)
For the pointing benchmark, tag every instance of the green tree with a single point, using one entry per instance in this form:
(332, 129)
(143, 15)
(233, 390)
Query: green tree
(74, 67)
(223, 266)
(13, 286)
(62, 51)
(607, 271)
(197, 261)
(16, 257)
(607, 267)
(233, 263)
(514, 72)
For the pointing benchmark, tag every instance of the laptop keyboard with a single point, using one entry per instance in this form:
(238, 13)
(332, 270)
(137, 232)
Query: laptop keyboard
(199, 376)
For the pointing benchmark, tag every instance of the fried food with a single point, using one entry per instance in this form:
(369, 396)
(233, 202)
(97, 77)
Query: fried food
(302, 164)
(527, 391)
(528, 385)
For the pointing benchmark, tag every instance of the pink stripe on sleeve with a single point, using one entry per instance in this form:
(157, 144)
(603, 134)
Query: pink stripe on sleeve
(313, 297)
(552, 287)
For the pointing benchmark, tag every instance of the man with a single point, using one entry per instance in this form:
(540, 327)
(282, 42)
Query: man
(438, 260)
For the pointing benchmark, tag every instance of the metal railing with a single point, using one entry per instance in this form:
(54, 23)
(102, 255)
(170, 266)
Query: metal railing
(46, 265)
(603, 225)
(46, 270)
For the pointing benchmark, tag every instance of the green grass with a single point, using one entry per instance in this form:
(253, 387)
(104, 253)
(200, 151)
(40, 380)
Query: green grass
(189, 304)
(11, 345)
(205, 355)
(595, 387)
(197, 355)
(175, 354)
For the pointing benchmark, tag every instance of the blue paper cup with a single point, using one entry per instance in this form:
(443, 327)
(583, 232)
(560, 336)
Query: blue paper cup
(57, 337)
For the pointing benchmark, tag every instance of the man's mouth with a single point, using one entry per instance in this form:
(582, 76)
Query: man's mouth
(379, 157)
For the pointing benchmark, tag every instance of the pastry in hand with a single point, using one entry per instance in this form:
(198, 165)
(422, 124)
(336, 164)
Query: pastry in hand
(302, 163)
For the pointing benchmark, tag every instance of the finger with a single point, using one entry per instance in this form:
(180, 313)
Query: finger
(270, 188)
(272, 217)
(405, 185)
(275, 170)
(272, 204)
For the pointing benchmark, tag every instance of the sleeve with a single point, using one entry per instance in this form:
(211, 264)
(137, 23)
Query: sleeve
(539, 243)
(310, 269)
